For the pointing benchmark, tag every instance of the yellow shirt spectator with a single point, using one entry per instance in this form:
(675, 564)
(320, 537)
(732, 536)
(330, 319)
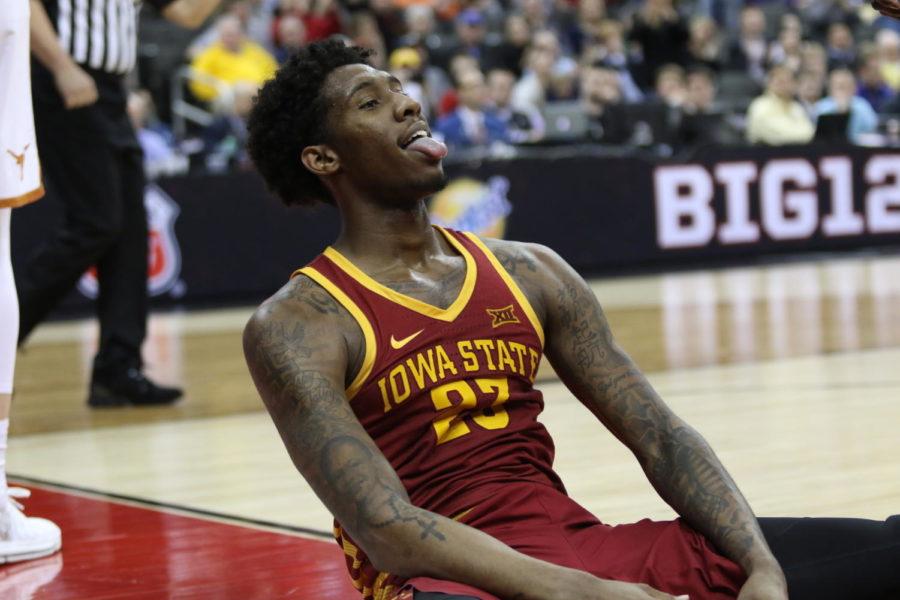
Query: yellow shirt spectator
(774, 121)
(231, 59)
(775, 117)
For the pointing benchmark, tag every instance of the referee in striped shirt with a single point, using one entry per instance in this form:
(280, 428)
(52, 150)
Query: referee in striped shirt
(91, 161)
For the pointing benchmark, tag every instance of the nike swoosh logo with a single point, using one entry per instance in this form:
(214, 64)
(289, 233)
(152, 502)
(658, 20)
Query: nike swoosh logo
(397, 344)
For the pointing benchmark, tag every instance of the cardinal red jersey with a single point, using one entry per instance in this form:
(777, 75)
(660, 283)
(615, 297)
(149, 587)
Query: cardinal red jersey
(445, 393)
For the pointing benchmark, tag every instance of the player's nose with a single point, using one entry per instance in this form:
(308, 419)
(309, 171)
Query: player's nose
(406, 107)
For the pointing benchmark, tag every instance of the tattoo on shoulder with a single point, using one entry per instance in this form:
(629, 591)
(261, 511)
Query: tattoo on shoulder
(514, 259)
(310, 293)
(275, 350)
(588, 331)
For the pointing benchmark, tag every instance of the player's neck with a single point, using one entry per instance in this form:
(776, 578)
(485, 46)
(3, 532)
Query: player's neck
(375, 235)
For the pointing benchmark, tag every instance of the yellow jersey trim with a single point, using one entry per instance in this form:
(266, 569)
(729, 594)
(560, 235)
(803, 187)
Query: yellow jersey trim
(512, 285)
(448, 314)
(354, 310)
(22, 200)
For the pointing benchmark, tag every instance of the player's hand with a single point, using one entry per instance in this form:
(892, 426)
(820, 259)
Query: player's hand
(764, 585)
(76, 87)
(889, 8)
(588, 587)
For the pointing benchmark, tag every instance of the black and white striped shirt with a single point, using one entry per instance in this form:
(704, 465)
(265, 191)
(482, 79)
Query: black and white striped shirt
(99, 34)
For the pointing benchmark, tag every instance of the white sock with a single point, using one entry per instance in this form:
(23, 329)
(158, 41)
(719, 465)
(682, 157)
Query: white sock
(4, 433)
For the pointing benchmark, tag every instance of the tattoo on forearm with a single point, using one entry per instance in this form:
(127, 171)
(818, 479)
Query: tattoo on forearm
(315, 420)
(681, 466)
(347, 464)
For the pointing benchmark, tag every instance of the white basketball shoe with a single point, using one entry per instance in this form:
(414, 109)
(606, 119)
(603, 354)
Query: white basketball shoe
(21, 537)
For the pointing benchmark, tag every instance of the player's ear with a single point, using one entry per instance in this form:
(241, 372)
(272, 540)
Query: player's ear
(321, 160)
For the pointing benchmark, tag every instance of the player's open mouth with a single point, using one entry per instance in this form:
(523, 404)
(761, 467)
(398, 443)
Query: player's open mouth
(416, 135)
(420, 140)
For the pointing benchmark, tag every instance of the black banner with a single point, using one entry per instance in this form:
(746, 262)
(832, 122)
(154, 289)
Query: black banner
(223, 239)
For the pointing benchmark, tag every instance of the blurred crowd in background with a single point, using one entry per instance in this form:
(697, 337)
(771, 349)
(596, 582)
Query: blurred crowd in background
(662, 76)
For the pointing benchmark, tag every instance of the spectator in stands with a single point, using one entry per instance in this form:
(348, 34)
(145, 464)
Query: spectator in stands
(601, 98)
(320, 18)
(793, 22)
(887, 43)
(749, 51)
(563, 86)
(701, 92)
(612, 52)
(406, 65)
(161, 155)
(363, 31)
(522, 125)
(472, 123)
(256, 22)
(421, 29)
(814, 59)
(842, 98)
(390, 21)
(256, 19)
(841, 48)
(225, 139)
(820, 14)
(670, 86)
(776, 118)
(471, 31)
(541, 56)
(662, 35)
(536, 13)
(291, 37)
(591, 18)
(810, 89)
(705, 45)
(702, 119)
(787, 50)
(872, 86)
(459, 64)
(510, 52)
(232, 58)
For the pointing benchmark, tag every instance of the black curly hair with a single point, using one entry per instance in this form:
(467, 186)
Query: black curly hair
(289, 114)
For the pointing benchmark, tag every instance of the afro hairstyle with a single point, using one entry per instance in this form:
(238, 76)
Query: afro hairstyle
(290, 113)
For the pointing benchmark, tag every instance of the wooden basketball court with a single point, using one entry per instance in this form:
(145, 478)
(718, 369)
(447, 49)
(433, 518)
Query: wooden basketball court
(791, 371)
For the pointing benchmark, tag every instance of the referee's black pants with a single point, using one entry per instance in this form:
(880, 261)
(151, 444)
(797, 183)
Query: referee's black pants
(97, 176)
(823, 559)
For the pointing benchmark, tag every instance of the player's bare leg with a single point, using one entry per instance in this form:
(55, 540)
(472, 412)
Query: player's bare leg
(21, 537)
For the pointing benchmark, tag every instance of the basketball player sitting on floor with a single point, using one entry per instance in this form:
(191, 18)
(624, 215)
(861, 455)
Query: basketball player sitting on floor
(398, 367)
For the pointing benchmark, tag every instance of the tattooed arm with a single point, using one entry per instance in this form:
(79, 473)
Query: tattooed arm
(677, 460)
(302, 348)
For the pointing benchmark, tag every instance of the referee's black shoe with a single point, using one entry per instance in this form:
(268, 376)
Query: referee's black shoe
(128, 387)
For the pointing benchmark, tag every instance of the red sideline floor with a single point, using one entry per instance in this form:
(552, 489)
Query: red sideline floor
(112, 549)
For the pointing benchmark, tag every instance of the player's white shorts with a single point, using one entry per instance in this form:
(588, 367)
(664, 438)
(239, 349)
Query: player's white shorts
(20, 172)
